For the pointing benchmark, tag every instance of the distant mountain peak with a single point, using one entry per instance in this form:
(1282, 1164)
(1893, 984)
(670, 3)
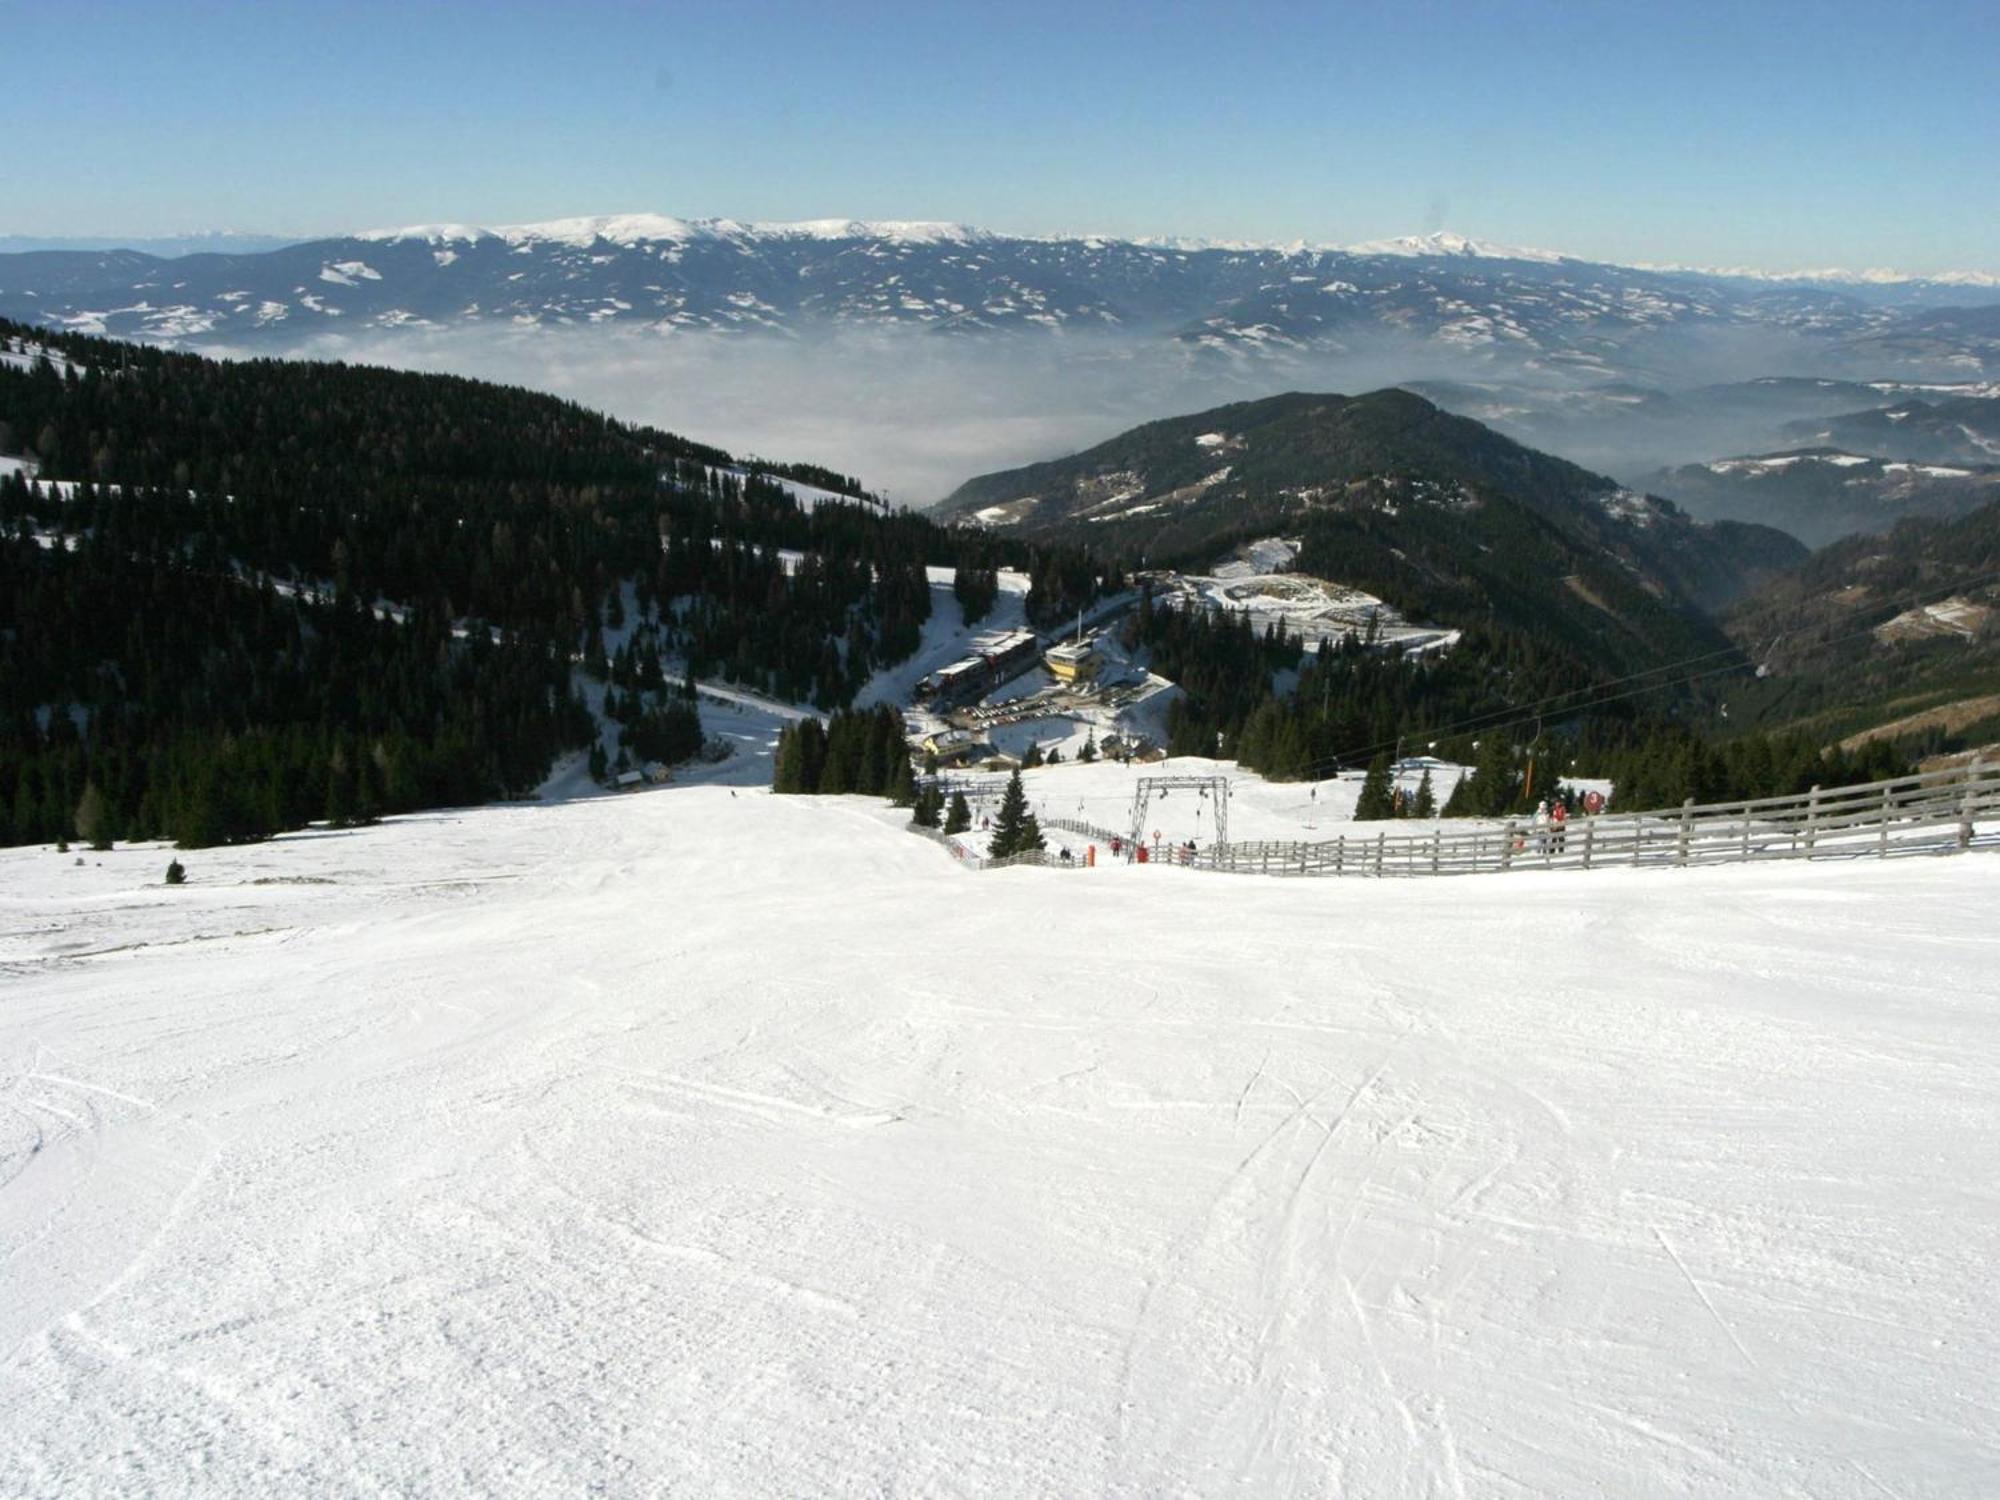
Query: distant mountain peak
(651, 228)
(1444, 243)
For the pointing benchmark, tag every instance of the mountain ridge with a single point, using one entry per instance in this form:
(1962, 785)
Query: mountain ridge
(647, 224)
(1440, 515)
(650, 272)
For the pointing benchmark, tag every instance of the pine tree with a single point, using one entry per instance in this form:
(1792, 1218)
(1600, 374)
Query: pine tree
(339, 809)
(1426, 804)
(1377, 801)
(902, 782)
(1089, 751)
(1010, 824)
(1493, 786)
(176, 872)
(93, 818)
(959, 817)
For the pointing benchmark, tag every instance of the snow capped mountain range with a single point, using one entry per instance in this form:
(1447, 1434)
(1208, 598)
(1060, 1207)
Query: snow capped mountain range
(652, 272)
(633, 229)
(637, 229)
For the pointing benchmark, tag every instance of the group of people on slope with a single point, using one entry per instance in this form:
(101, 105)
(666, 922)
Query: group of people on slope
(1551, 822)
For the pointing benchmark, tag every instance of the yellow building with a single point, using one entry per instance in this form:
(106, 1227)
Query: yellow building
(1072, 661)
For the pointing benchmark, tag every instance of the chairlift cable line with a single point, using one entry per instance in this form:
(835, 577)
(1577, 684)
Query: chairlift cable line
(1515, 714)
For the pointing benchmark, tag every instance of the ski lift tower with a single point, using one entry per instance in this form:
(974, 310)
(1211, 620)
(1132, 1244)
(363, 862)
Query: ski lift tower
(1214, 789)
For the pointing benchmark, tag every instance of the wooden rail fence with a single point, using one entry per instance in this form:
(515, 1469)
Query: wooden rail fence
(1935, 812)
(1931, 812)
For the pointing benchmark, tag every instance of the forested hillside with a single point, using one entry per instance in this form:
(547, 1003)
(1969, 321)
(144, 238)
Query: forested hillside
(1896, 636)
(1435, 513)
(238, 596)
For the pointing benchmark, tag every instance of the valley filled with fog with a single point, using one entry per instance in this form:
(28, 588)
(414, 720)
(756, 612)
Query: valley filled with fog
(914, 412)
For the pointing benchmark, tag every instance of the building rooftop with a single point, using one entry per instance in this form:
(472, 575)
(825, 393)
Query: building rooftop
(1072, 651)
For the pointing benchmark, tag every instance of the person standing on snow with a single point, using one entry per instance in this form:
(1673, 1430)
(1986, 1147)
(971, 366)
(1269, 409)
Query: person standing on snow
(1558, 824)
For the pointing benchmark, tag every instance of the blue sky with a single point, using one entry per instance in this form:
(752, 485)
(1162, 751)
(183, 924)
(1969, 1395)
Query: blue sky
(1757, 133)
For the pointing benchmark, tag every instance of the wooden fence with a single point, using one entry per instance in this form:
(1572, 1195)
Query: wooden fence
(1935, 812)
(1932, 812)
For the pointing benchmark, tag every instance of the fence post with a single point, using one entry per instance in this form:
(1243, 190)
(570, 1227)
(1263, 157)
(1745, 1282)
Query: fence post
(1965, 806)
(1340, 855)
(1589, 837)
(1888, 807)
(1437, 847)
(1746, 830)
(1812, 818)
(1381, 843)
(1507, 846)
(1687, 828)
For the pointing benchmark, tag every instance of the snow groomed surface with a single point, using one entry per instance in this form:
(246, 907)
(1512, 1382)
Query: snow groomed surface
(712, 1143)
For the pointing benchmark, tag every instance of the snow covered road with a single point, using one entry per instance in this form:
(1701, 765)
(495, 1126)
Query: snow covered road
(705, 1144)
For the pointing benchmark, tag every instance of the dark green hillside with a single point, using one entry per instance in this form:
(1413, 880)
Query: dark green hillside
(189, 586)
(1443, 517)
(1875, 631)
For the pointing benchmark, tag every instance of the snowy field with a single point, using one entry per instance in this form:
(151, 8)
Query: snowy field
(703, 1142)
(1102, 793)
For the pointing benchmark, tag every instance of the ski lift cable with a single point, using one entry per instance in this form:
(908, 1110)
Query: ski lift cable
(1514, 715)
(1524, 718)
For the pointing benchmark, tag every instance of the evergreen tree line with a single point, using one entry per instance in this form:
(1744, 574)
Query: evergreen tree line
(975, 587)
(243, 596)
(1651, 764)
(853, 752)
(1352, 702)
(199, 707)
(483, 502)
(1381, 798)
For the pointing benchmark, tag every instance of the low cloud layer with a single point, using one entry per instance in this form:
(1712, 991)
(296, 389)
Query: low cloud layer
(911, 414)
(914, 414)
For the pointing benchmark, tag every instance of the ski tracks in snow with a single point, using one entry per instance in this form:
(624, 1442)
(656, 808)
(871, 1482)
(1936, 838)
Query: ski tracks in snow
(1259, 1279)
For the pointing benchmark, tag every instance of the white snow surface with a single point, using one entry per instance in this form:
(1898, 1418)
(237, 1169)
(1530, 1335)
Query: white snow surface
(699, 1143)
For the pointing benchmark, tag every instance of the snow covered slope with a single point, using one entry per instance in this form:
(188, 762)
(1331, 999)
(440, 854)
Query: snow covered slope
(699, 1143)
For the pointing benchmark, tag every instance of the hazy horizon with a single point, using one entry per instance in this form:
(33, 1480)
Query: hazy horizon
(1775, 136)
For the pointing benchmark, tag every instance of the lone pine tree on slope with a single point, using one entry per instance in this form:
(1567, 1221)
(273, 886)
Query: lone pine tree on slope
(1015, 830)
(1377, 799)
(958, 817)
